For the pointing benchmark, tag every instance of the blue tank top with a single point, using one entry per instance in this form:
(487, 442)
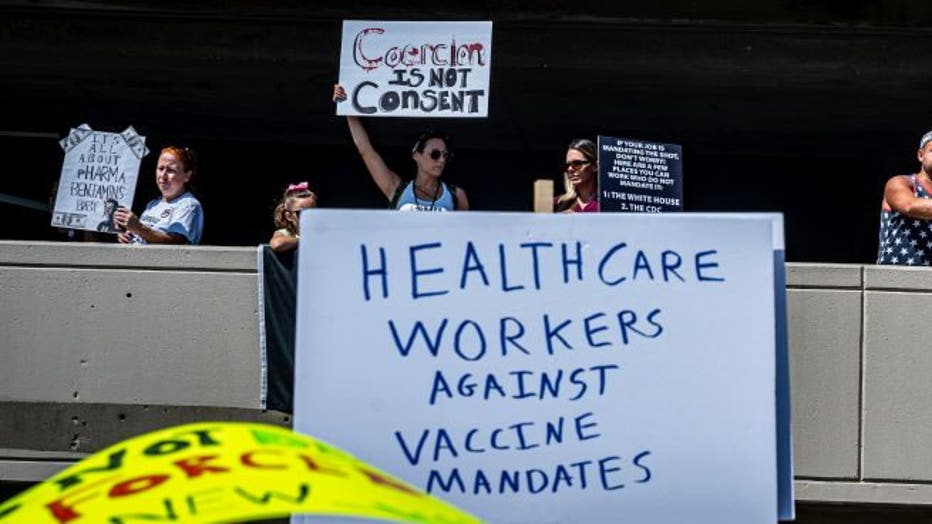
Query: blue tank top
(409, 201)
(905, 240)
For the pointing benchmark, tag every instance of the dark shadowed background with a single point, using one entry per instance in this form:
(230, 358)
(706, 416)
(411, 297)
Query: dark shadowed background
(800, 107)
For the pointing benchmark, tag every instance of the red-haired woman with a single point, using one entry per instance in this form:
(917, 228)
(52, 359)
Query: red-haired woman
(176, 217)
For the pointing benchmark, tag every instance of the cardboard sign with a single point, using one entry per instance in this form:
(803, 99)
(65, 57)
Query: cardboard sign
(416, 69)
(547, 368)
(98, 175)
(222, 472)
(786, 498)
(785, 488)
(640, 177)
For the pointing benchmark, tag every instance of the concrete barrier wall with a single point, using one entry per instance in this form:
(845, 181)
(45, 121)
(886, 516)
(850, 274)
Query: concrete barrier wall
(824, 320)
(106, 323)
(99, 342)
(860, 361)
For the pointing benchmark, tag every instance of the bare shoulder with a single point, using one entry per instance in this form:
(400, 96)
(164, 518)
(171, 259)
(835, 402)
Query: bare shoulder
(459, 196)
(898, 183)
(900, 180)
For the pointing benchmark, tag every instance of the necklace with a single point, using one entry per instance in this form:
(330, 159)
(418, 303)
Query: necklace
(433, 200)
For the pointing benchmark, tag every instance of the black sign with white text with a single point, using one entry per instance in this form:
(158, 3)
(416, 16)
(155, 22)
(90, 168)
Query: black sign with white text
(640, 177)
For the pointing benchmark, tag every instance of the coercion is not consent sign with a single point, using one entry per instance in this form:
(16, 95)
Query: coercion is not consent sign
(416, 69)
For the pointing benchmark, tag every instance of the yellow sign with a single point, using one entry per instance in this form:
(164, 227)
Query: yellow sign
(223, 472)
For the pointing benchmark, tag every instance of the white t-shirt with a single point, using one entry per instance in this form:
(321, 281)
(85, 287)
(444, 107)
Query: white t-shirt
(183, 216)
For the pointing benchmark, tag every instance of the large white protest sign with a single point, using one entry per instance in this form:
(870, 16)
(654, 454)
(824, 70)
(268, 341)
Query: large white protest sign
(436, 69)
(98, 175)
(547, 368)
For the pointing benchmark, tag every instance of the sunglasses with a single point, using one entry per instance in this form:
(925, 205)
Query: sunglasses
(576, 164)
(437, 153)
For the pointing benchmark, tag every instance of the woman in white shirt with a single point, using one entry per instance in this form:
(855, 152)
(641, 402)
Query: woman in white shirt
(176, 217)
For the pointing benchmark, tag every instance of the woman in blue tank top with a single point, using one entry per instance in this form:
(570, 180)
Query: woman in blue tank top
(425, 192)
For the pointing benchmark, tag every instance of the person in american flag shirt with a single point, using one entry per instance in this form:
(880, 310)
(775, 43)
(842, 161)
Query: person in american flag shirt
(906, 214)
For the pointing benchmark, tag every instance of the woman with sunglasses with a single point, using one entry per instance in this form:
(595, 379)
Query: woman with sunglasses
(580, 179)
(425, 192)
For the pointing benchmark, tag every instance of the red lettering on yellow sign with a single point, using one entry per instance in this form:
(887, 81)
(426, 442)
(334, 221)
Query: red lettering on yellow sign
(63, 509)
(317, 468)
(61, 512)
(382, 480)
(197, 466)
(136, 485)
(247, 460)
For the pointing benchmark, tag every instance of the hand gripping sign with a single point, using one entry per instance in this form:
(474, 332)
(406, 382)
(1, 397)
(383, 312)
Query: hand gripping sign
(223, 472)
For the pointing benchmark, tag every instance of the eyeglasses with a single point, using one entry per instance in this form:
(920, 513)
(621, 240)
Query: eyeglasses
(437, 153)
(576, 164)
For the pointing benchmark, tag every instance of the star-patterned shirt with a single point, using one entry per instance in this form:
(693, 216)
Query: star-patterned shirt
(904, 240)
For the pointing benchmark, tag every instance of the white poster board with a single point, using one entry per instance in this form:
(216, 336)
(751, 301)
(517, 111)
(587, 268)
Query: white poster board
(416, 69)
(547, 368)
(98, 175)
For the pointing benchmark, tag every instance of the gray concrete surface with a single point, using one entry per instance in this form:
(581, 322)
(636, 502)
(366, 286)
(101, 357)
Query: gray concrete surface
(897, 393)
(100, 342)
(41, 438)
(134, 325)
(824, 276)
(825, 381)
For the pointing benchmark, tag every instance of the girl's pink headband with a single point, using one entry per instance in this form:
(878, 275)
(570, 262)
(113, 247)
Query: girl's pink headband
(297, 187)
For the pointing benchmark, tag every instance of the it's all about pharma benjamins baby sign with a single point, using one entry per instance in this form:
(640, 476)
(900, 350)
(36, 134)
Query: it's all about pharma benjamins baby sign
(546, 368)
(416, 69)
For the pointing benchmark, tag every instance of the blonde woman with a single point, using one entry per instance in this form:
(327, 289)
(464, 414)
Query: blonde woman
(580, 179)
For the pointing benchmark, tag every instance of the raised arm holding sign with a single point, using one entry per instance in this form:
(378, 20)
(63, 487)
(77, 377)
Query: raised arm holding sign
(430, 152)
(414, 69)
